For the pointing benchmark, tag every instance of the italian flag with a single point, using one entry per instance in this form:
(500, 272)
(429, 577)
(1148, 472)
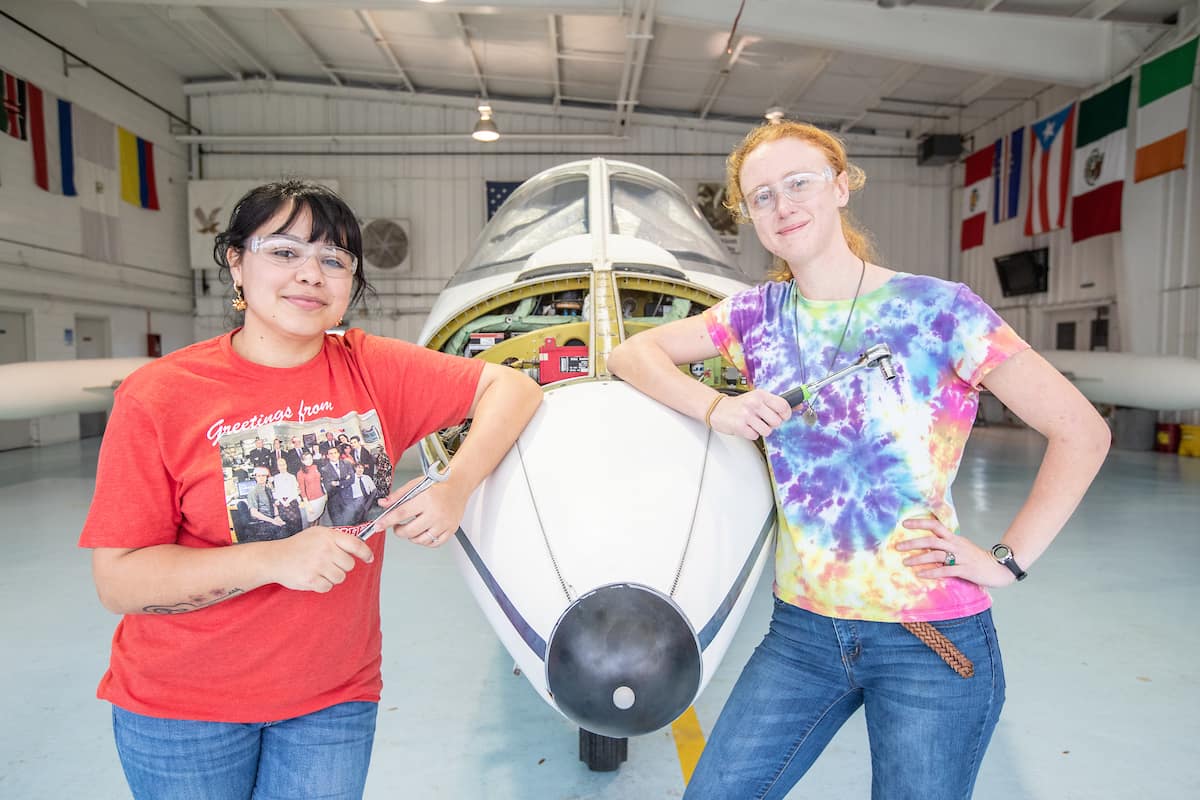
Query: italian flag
(1098, 168)
(1164, 105)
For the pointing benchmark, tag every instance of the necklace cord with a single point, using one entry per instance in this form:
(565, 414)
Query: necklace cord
(841, 339)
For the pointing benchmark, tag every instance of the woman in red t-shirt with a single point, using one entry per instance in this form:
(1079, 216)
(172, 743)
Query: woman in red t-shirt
(253, 667)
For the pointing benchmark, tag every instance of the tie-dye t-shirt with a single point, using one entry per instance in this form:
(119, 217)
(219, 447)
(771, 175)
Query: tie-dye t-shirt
(881, 451)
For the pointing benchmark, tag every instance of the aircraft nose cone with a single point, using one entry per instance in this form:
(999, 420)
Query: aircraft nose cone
(623, 661)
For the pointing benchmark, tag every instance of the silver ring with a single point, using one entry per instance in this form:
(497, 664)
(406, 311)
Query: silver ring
(433, 537)
(949, 560)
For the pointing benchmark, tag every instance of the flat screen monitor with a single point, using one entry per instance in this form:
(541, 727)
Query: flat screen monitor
(1024, 272)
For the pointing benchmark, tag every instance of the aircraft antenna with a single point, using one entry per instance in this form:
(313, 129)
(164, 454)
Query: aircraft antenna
(695, 511)
(541, 526)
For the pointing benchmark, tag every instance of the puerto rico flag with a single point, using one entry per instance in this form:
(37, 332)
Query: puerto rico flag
(977, 195)
(1050, 150)
(1006, 176)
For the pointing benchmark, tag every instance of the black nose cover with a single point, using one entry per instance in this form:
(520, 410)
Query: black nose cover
(623, 661)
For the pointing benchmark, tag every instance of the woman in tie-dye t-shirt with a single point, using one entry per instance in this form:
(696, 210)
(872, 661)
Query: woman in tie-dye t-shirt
(879, 601)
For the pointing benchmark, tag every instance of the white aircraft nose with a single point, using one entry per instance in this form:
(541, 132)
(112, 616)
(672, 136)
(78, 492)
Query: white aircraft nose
(623, 661)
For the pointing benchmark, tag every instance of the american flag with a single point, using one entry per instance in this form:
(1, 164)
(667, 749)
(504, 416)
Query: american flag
(497, 193)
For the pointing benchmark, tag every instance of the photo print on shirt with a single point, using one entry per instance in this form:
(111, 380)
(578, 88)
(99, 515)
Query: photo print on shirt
(284, 475)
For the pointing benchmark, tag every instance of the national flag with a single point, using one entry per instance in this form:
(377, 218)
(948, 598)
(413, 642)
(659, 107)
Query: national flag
(977, 194)
(137, 170)
(1164, 107)
(497, 193)
(50, 134)
(96, 180)
(1050, 171)
(1006, 175)
(12, 116)
(1098, 171)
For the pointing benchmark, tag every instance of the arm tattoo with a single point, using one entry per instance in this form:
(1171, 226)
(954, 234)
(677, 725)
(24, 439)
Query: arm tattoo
(194, 602)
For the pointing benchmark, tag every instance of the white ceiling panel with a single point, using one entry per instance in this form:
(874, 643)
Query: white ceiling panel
(895, 77)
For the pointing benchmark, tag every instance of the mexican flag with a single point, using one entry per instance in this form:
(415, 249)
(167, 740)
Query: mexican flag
(1098, 168)
(1164, 106)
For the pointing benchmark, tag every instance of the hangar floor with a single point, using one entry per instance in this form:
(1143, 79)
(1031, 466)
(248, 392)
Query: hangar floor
(1101, 648)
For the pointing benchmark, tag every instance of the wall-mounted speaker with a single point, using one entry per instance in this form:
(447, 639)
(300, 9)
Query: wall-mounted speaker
(937, 149)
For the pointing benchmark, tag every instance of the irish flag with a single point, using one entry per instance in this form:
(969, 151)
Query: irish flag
(1164, 105)
(1098, 168)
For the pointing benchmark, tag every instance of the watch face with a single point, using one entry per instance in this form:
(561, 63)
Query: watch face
(1001, 552)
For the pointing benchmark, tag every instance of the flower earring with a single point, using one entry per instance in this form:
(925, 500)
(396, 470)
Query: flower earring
(239, 301)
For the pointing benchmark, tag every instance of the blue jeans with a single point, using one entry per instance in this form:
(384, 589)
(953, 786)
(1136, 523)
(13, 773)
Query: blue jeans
(319, 755)
(928, 728)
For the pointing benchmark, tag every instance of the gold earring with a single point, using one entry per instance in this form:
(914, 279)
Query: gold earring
(238, 302)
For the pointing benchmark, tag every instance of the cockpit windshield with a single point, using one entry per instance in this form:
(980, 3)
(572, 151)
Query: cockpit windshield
(552, 212)
(654, 213)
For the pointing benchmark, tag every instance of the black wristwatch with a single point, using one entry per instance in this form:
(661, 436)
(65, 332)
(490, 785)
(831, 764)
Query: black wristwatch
(1004, 554)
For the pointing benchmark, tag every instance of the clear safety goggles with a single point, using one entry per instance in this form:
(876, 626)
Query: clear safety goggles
(290, 252)
(797, 187)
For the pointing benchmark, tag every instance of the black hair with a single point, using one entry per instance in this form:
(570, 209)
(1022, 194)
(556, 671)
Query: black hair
(332, 221)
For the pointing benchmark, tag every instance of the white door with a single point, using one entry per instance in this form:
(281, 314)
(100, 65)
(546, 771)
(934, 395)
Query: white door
(1080, 329)
(91, 341)
(13, 433)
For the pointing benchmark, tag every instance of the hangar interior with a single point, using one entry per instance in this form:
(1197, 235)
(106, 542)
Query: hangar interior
(379, 100)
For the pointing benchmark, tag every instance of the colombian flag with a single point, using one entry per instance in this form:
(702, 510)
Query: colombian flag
(137, 170)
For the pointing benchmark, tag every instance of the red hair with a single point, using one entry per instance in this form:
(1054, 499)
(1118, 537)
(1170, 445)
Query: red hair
(858, 238)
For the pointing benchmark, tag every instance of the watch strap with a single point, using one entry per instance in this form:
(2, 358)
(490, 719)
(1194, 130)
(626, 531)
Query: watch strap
(1009, 561)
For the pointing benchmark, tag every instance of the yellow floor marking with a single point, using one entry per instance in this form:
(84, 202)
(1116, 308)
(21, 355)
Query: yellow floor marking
(689, 742)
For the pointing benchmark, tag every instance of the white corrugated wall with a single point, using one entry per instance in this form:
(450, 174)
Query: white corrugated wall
(439, 187)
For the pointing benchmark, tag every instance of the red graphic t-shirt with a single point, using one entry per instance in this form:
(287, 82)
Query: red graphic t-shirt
(189, 458)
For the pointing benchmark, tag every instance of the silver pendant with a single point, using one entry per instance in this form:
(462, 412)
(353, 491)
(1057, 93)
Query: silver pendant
(810, 416)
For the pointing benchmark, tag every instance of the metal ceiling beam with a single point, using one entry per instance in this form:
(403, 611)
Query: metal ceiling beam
(811, 74)
(627, 64)
(369, 22)
(1093, 10)
(1098, 9)
(380, 138)
(552, 25)
(643, 36)
(282, 16)
(464, 36)
(228, 35)
(285, 88)
(727, 62)
(202, 45)
(1071, 51)
(898, 78)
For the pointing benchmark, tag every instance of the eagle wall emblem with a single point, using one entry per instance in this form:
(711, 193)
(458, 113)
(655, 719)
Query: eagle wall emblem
(1093, 166)
(206, 223)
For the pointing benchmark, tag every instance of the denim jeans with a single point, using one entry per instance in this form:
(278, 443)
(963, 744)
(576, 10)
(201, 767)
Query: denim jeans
(319, 755)
(928, 728)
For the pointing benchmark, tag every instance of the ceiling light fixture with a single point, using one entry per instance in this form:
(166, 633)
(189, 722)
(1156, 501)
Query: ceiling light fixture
(485, 129)
(774, 114)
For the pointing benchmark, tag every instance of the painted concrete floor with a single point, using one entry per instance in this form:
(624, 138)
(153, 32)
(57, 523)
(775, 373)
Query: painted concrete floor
(1101, 648)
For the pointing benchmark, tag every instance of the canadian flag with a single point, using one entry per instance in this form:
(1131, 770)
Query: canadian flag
(977, 196)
